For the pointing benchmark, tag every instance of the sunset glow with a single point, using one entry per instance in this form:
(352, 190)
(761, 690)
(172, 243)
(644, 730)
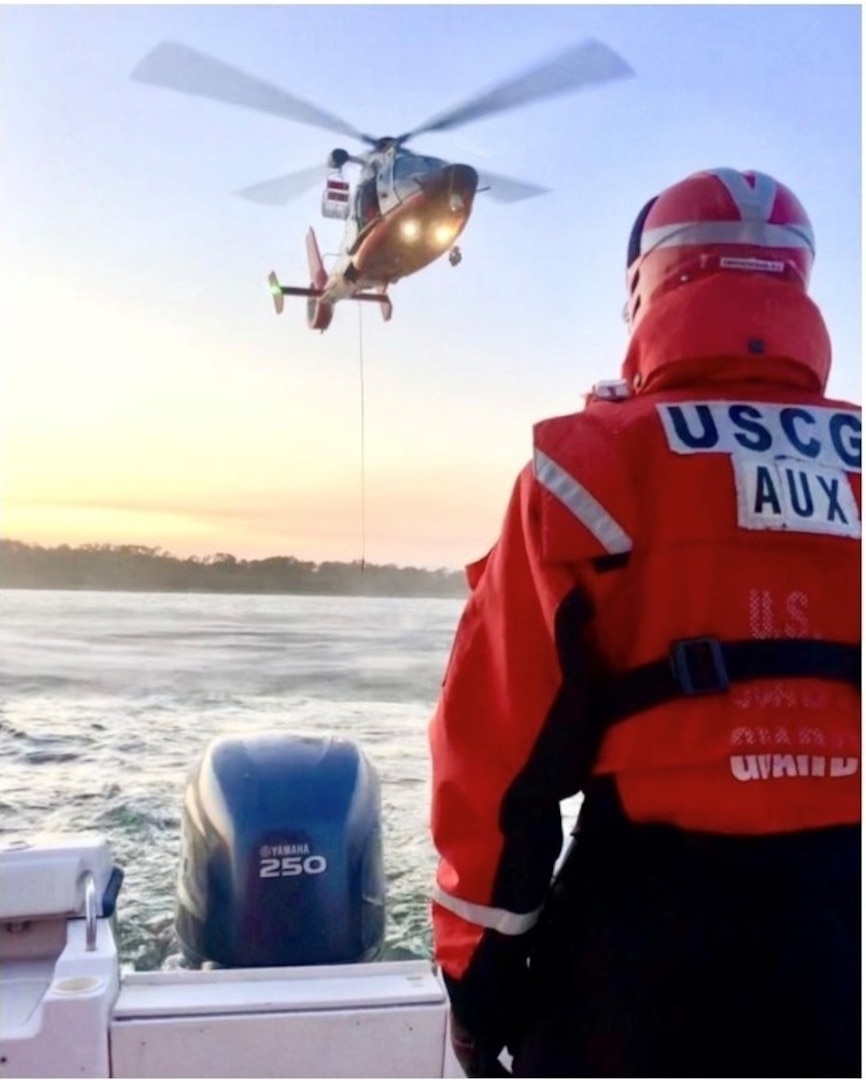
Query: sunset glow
(148, 393)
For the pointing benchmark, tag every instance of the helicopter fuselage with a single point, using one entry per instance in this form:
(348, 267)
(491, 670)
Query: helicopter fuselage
(407, 210)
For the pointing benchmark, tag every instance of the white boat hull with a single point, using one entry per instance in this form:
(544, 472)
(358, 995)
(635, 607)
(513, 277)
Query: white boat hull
(65, 1009)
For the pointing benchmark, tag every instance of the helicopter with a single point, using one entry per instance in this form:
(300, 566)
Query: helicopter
(405, 210)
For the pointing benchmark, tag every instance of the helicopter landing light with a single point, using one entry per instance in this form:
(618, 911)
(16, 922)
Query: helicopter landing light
(410, 229)
(455, 201)
(444, 234)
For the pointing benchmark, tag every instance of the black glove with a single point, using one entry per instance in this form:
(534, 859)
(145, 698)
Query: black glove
(476, 1057)
(489, 1003)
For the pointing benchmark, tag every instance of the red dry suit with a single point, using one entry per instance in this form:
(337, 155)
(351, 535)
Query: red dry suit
(673, 604)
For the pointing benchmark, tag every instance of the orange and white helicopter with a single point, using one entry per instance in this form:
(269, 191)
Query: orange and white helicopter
(406, 209)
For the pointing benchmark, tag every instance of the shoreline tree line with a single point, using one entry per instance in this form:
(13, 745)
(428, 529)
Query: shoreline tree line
(137, 568)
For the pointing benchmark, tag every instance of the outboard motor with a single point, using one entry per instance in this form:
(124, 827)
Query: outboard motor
(281, 856)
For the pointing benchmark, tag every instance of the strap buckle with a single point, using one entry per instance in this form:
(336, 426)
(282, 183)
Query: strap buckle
(699, 667)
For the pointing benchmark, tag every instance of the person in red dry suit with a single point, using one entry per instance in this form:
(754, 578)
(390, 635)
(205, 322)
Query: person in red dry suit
(669, 624)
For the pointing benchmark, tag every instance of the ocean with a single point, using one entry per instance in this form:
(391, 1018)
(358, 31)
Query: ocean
(108, 699)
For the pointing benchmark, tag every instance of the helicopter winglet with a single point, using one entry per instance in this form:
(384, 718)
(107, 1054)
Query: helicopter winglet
(384, 302)
(276, 291)
(386, 307)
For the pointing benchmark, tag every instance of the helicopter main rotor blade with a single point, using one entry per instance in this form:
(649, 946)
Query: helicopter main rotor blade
(283, 189)
(178, 67)
(580, 66)
(507, 190)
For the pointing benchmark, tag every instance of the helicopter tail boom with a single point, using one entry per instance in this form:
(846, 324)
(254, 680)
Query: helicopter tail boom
(319, 311)
(316, 312)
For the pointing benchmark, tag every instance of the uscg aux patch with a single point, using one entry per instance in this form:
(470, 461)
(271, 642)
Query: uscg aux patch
(790, 462)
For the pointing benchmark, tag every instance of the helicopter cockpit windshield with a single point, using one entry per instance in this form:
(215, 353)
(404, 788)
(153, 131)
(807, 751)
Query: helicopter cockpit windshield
(366, 201)
(410, 166)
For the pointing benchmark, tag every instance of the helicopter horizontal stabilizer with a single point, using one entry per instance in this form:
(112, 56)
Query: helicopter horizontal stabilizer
(377, 298)
(300, 290)
(278, 291)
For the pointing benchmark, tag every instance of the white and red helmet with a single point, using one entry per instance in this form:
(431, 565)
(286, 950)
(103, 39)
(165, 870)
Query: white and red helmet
(716, 221)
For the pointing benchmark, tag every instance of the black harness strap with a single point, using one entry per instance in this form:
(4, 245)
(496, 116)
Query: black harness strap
(706, 665)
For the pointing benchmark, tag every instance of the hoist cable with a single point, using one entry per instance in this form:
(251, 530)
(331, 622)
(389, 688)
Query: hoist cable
(363, 440)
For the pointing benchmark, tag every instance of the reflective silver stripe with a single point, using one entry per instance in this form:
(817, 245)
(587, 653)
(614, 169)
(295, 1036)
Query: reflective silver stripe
(505, 922)
(584, 506)
(755, 233)
(754, 203)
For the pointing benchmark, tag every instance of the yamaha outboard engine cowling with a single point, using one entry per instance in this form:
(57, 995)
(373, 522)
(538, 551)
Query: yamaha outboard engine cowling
(281, 859)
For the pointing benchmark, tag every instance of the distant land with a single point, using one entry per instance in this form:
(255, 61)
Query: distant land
(135, 568)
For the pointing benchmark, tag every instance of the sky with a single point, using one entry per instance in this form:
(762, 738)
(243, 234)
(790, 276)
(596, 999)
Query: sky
(150, 395)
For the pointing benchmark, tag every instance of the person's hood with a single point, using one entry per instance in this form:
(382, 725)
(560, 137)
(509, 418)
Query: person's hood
(728, 326)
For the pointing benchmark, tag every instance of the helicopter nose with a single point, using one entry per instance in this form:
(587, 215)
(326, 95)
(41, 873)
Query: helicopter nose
(455, 185)
(463, 183)
(462, 178)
